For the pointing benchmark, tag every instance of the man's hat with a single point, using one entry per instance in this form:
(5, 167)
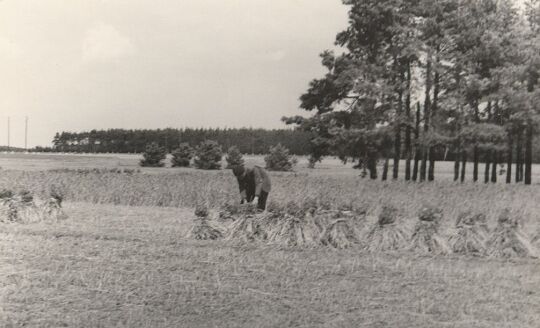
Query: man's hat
(238, 170)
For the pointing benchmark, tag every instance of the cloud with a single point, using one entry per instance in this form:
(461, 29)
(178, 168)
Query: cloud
(103, 42)
(9, 49)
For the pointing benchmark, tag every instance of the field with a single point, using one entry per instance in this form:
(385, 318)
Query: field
(122, 258)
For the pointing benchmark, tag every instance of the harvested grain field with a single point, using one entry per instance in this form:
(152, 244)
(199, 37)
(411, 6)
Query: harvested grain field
(133, 267)
(126, 255)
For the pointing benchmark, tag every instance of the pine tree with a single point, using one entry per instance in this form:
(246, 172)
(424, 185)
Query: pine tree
(153, 156)
(181, 156)
(279, 159)
(208, 155)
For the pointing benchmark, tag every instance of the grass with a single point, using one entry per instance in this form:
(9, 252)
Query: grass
(189, 187)
(122, 258)
(131, 267)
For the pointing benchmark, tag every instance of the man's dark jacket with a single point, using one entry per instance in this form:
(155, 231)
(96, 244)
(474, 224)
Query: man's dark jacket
(254, 182)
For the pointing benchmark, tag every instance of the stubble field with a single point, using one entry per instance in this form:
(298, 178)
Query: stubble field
(123, 259)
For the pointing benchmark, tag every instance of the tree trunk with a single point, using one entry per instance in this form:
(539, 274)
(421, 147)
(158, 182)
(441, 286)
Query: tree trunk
(528, 154)
(408, 165)
(456, 167)
(408, 148)
(433, 112)
(417, 146)
(385, 168)
(488, 165)
(534, 75)
(423, 170)
(519, 156)
(509, 158)
(415, 167)
(372, 167)
(431, 168)
(463, 165)
(475, 163)
(397, 137)
(495, 161)
(521, 166)
(397, 151)
(475, 150)
(427, 108)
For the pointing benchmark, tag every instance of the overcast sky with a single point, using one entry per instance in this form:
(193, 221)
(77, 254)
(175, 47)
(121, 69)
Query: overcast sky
(83, 64)
(73, 65)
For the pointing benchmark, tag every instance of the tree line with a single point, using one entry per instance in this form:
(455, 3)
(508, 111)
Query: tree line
(423, 81)
(248, 140)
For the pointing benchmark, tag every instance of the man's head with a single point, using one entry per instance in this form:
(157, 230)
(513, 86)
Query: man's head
(239, 170)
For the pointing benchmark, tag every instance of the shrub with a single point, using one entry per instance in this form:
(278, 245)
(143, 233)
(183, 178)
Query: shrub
(181, 156)
(312, 160)
(153, 156)
(279, 159)
(208, 155)
(234, 157)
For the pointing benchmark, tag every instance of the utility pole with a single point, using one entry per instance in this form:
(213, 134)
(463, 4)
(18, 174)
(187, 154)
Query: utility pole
(8, 133)
(26, 133)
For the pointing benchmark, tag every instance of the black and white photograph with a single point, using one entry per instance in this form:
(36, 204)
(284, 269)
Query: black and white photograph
(270, 163)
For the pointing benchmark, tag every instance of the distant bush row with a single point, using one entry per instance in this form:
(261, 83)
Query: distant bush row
(208, 155)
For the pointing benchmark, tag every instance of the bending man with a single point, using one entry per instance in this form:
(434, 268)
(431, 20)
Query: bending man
(254, 185)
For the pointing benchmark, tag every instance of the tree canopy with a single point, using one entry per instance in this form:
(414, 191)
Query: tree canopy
(420, 79)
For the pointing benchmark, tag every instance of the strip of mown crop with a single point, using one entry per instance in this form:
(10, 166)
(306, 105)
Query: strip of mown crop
(189, 188)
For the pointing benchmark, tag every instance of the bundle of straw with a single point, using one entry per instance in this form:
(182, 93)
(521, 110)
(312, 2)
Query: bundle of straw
(508, 240)
(290, 230)
(389, 232)
(229, 212)
(340, 234)
(202, 228)
(51, 210)
(426, 238)
(249, 224)
(471, 234)
(24, 208)
(9, 210)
